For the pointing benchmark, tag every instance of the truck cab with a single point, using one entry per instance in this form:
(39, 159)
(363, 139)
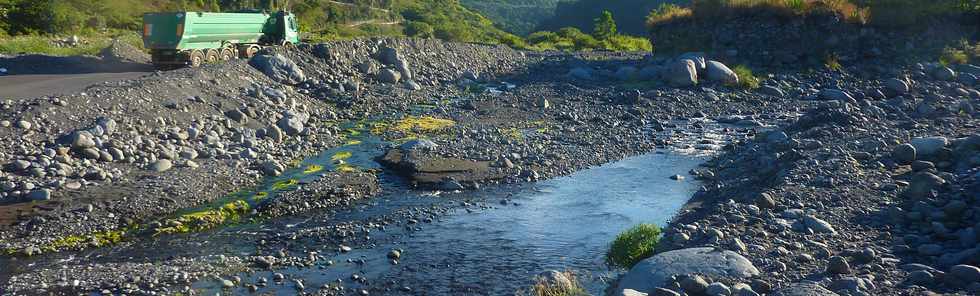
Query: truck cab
(286, 26)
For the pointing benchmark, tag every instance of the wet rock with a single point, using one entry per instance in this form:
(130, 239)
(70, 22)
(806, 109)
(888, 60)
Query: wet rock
(39, 195)
(278, 68)
(657, 270)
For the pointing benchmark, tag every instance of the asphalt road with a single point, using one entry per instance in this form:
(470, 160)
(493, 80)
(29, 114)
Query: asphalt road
(32, 86)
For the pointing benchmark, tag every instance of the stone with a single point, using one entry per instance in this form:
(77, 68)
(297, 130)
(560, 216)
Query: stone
(274, 133)
(237, 115)
(412, 85)
(394, 254)
(389, 76)
(279, 68)
(39, 195)
(803, 289)
(657, 271)
(818, 225)
(765, 201)
(418, 144)
(836, 95)
(770, 90)
(930, 250)
(161, 165)
(23, 124)
(965, 274)
(921, 278)
(293, 123)
(681, 73)
(631, 292)
(81, 140)
(89, 153)
(717, 289)
(922, 183)
(716, 71)
(696, 57)
(944, 74)
(928, 146)
(272, 168)
(896, 86)
(693, 284)
(904, 154)
(838, 265)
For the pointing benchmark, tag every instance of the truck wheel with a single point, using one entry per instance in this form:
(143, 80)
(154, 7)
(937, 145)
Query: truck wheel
(247, 52)
(227, 54)
(212, 56)
(196, 58)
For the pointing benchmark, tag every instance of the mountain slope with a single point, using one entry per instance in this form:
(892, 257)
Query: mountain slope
(515, 16)
(630, 14)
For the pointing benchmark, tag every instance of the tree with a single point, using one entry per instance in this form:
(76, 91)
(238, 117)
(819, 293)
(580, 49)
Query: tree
(214, 6)
(605, 26)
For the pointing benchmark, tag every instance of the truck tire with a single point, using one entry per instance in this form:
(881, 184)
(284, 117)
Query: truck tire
(195, 58)
(227, 54)
(212, 56)
(248, 51)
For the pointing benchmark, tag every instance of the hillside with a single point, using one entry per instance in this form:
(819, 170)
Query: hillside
(630, 14)
(322, 19)
(516, 16)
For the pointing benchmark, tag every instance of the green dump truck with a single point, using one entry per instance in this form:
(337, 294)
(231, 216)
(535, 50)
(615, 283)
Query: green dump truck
(194, 38)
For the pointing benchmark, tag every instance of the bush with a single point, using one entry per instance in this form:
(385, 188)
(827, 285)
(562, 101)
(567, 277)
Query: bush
(666, 13)
(419, 29)
(746, 79)
(952, 56)
(633, 245)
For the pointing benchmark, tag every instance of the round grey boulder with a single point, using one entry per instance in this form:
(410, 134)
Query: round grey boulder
(656, 271)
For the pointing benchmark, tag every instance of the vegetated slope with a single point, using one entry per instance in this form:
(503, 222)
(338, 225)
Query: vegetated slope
(516, 16)
(630, 14)
(819, 32)
(323, 19)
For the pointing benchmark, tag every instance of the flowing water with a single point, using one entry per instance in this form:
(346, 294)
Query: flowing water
(563, 224)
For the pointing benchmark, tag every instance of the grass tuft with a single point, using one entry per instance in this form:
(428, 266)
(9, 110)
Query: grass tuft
(544, 287)
(746, 79)
(633, 245)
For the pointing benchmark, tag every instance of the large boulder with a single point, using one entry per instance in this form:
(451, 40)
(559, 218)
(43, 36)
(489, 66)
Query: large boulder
(716, 71)
(278, 68)
(656, 271)
(681, 73)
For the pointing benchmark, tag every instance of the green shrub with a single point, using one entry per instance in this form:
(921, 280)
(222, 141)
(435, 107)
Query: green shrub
(419, 29)
(746, 79)
(633, 245)
(952, 56)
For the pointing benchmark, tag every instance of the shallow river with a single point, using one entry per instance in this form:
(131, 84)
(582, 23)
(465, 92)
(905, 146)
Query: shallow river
(564, 224)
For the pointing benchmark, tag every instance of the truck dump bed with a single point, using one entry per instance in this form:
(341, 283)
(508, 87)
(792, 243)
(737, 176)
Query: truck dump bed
(202, 30)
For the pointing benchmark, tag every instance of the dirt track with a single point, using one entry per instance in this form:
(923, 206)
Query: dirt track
(31, 86)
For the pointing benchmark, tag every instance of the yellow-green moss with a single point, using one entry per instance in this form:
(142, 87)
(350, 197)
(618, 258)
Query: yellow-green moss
(313, 168)
(261, 195)
(284, 184)
(342, 155)
(422, 124)
(206, 219)
(353, 142)
(346, 168)
(74, 242)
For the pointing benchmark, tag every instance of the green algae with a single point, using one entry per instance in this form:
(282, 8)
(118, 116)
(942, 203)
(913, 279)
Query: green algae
(206, 219)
